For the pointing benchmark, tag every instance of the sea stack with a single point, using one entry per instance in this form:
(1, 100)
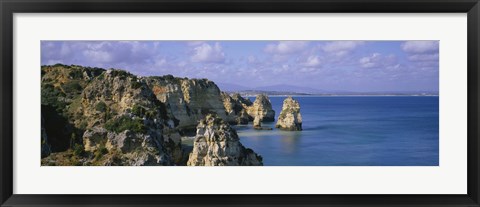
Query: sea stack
(217, 144)
(290, 118)
(257, 123)
(262, 108)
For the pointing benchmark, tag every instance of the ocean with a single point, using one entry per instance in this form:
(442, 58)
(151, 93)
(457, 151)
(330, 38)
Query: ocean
(352, 131)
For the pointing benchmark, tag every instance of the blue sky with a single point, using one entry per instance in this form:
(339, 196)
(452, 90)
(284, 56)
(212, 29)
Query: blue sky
(362, 66)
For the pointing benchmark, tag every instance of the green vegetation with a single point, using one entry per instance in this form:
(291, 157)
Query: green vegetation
(101, 76)
(50, 96)
(75, 74)
(100, 152)
(125, 123)
(72, 88)
(78, 150)
(61, 65)
(120, 73)
(136, 85)
(141, 111)
(101, 106)
(138, 110)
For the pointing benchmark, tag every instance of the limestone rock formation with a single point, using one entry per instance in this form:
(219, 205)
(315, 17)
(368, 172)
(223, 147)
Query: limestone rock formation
(217, 144)
(94, 138)
(262, 108)
(244, 102)
(111, 117)
(242, 117)
(256, 122)
(188, 100)
(235, 106)
(61, 86)
(137, 149)
(290, 117)
(122, 115)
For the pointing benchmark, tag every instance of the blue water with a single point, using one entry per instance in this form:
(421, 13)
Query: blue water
(352, 131)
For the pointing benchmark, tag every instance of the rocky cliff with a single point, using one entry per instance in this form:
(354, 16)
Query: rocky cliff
(217, 144)
(236, 107)
(105, 111)
(61, 85)
(290, 117)
(188, 100)
(118, 109)
(261, 108)
(112, 117)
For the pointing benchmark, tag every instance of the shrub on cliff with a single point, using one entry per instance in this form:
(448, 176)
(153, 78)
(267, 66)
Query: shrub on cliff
(101, 106)
(123, 123)
(72, 88)
(78, 150)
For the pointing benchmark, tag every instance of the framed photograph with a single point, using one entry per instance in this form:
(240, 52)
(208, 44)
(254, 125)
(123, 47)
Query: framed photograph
(239, 103)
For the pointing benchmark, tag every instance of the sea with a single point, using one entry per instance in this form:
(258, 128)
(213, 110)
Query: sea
(352, 131)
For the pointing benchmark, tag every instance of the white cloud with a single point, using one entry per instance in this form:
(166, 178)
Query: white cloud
(160, 62)
(195, 43)
(341, 48)
(377, 60)
(423, 54)
(207, 53)
(286, 47)
(99, 56)
(253, 60)
(420, 46)
(312, 62)
(423, 57)
(182, 64)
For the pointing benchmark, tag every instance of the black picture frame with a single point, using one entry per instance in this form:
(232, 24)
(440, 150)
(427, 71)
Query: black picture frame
(9, 7)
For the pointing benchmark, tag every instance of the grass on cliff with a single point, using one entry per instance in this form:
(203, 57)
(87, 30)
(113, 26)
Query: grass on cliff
(123, 123)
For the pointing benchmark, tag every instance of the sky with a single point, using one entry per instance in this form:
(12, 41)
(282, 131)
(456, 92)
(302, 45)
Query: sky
(360, 66)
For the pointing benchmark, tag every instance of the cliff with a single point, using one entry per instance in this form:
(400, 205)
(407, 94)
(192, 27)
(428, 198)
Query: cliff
(236, 109)
(261, 108)
(118, 109)
(217, 144)
(188, 100)
(94, 116)
(290, 118)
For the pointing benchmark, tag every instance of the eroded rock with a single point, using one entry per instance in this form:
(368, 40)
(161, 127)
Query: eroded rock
(290, 118)
(262, 108)
(217, 144)
(94, 138)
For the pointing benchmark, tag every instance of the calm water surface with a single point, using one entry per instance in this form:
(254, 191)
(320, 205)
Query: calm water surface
(352, 131)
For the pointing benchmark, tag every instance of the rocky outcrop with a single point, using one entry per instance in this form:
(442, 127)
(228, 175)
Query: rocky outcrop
(123, 117)
(94, 138)
(239, 99)
(242, 117)
(112, 117)
(261, 108)
(290, 117)
(217, 144)
(235, 106)
(137, 149)
(188, 100)
(257, 123)
(61, 86)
